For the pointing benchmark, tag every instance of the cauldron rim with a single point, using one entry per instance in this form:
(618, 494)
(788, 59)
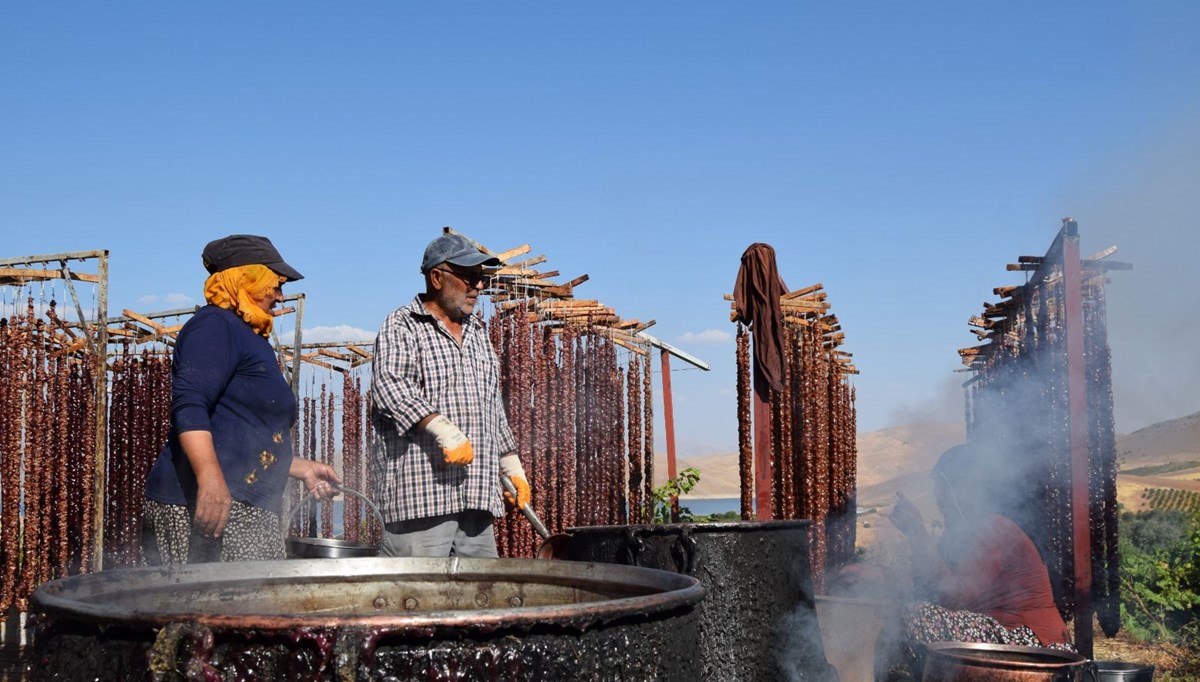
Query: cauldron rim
(747, 526)
(677, 591)
(962, 652)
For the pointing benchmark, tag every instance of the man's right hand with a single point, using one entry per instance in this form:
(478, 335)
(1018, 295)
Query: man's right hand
(456, 449)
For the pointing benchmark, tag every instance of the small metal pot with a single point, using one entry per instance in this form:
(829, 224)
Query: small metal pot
(1117, 671)
(332, 548)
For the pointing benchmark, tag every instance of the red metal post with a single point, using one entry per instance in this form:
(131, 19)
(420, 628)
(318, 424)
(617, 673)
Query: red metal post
(668, 412)
(762, 447)
(1078, 429)
(669, 426)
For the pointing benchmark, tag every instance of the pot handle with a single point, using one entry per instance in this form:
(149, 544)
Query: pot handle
(683, 552)
(632, 548)
(343, 489)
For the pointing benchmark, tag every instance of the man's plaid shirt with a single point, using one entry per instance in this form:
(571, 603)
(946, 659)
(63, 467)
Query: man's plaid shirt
(420, 369)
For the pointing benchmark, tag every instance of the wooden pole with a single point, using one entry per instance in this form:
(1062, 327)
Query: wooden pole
(100, 375)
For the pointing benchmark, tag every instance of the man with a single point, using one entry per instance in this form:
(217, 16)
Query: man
(444, 440)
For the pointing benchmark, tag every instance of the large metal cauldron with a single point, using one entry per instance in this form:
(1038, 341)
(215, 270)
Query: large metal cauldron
(969, 662)
(369, 619)
(758, 621)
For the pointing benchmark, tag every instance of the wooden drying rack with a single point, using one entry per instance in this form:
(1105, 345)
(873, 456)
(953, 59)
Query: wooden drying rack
(807, 307)
(516, 283)
(993, 324)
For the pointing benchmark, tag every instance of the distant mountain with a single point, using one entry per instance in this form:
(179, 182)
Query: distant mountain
(899, 458)
(718, 473)
(1174, 440)
(884, 458)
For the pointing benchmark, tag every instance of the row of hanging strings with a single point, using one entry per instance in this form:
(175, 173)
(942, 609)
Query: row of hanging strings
(1017, 404)
(813, 423)
(47, 442)
(581, 408)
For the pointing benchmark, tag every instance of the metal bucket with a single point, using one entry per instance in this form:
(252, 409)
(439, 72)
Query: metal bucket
(850, 629)
(331, 548)
(369, 619)
(1117, 671)
(758, 621)
(972, 662)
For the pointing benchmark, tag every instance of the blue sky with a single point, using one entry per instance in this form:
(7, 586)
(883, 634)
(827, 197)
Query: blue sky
(900, 153)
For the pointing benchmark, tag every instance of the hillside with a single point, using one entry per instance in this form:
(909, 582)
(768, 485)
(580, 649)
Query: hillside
(1175, 440)
(884, 458)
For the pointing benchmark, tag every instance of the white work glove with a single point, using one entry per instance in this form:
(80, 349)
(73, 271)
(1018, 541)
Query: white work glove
(510, 465)
(456, 449)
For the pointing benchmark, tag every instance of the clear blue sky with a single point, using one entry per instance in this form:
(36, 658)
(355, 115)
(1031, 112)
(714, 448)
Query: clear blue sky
(900, 153)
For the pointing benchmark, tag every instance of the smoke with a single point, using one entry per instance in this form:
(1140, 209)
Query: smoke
(802, 641)
(1145, 203)
(944, 406)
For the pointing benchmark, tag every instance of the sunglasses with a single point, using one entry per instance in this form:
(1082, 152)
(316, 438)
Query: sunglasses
(472, 279)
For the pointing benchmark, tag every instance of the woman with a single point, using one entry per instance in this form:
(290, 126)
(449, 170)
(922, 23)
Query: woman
(984, 578)
(216, 489)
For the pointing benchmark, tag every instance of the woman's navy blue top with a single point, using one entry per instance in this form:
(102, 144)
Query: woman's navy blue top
(226, 381)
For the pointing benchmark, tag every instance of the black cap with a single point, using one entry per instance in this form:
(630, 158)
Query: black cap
(246, 249)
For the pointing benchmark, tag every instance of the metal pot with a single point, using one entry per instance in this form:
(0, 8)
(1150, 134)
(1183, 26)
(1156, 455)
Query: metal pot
(369, 619)
(1117, 671)
(331, 548)
(758, 621)
(971, 662)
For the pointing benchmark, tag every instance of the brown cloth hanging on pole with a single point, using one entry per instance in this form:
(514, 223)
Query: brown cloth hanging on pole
(756, 303)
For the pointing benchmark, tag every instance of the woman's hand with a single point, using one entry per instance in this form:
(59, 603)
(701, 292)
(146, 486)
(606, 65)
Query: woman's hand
(212, 494)
(212, 504)
(320, 480)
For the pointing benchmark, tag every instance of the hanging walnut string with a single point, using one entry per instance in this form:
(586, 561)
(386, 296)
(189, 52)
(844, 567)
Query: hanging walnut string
(633, 392)
(745, 429)
(647, 440)
(11, 388)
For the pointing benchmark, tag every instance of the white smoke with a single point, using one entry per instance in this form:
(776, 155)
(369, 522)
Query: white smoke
(1145, 203)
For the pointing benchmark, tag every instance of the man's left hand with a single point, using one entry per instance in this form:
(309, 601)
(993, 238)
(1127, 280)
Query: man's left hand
(510, 465)
(524, 494)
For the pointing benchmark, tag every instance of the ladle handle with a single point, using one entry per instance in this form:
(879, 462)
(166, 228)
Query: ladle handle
(525, 509)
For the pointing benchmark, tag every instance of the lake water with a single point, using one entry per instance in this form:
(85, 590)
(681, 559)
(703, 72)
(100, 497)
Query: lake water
(712, 505)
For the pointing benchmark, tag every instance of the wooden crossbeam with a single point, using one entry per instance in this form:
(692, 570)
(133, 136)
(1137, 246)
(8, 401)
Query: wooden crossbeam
(802, 292)
(26, 274)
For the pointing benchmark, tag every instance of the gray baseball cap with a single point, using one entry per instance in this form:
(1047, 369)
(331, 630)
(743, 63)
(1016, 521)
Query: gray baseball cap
(455, 249)
(246, 249)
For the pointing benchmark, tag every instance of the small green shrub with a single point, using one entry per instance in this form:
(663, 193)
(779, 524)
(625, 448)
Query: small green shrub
(680, 485)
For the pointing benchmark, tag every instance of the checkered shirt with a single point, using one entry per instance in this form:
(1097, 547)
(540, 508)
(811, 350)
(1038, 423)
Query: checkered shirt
(420, 369)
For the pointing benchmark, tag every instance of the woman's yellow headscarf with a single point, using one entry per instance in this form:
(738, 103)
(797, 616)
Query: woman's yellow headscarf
(236, 289)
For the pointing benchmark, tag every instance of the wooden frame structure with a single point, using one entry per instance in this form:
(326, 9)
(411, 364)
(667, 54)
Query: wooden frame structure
(1026, 322)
